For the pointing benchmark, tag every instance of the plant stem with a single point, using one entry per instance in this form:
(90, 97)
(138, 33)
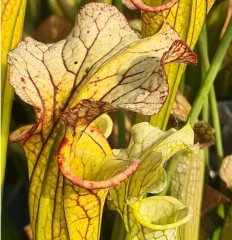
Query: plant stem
(13, 27)
(211, 74)
(187, 185)
(106, 1)
(171, 169)
(140, 118)
(203, 53)
(119, 231)
(128, 237)
(216, 125)
(118, 4)
(213, 101)
(121, 129)
(215, 117)
(5, 125)
(182, 84)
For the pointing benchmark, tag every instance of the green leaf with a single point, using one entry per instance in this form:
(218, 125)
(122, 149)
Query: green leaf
(102, 65)
(227, 228)
(104, 123)
(215, 23)
(153, 147)
(12, 20)
(187, 18)
(160, 217)
(187, 185)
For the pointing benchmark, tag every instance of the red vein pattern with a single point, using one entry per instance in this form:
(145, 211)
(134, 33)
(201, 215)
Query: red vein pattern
(140, 5)
(102, 65)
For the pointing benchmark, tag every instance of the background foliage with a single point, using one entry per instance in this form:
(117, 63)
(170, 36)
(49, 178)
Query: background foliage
(51, 20)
